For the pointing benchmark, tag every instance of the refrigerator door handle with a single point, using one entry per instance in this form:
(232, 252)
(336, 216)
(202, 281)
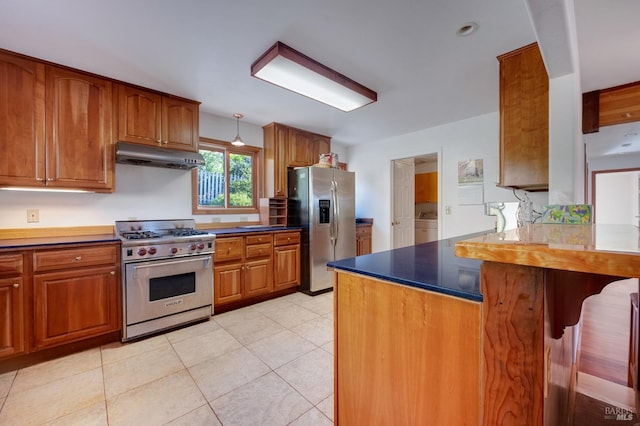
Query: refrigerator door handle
(334, 222)
(336, 212)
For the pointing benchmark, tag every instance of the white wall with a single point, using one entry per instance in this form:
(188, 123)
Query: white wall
(475, 138)
(566, 156)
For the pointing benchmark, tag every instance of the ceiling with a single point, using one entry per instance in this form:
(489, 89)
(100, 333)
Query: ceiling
(406, 50)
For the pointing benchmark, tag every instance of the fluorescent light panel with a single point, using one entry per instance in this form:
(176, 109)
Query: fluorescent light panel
(292, 70)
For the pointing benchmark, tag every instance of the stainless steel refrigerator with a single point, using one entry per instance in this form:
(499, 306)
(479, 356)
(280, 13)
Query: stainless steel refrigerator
(322, 202)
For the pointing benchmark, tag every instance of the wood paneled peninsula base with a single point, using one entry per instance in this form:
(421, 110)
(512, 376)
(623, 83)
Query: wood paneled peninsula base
(408, 337)
(534, 281)
(474, 330)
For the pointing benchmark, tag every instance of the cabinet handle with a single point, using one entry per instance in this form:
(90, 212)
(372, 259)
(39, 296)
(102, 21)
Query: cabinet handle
(16, 285)
(78, 258)
(112, 272)
(228, 250)
(288, 238)
(39, 179)
(259, 251)
(49, 179)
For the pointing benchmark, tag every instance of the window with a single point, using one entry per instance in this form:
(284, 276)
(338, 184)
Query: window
(228, 181)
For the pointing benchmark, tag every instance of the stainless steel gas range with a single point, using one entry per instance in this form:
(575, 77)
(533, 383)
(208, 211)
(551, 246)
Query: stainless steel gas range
(167, 275)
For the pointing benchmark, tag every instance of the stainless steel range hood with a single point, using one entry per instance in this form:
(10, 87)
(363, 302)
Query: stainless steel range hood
(152, 156)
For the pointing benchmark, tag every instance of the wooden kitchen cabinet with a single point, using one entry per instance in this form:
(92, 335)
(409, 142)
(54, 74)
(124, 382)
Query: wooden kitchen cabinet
(254, 267)
(76, 294)
(12, 305)
(286, 255)
(58, 126)
(524, 120)
(78, 131)
(286, 147)
(150, 118)
(363, 238)
(243, 267)
(426, 187)
(22, 83)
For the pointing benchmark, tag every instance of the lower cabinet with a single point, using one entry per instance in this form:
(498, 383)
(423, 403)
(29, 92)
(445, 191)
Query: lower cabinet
(75, 304)
(50, 297)
(286, 255)
(363, 239)
(251, 267)
(243, 267)
(12, 337)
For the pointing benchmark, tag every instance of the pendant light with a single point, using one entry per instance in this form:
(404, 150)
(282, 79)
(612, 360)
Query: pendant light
(237, 141)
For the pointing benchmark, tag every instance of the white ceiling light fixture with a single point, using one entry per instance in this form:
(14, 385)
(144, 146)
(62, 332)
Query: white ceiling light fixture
(286, 67)
(237, 141)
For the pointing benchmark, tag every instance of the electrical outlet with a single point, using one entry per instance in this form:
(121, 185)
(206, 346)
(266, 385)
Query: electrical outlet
(33, 216)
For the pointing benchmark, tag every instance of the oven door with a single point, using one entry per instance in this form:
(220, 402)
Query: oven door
(158, 288)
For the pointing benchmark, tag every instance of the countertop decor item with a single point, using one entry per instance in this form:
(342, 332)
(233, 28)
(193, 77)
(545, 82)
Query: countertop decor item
(570, 214)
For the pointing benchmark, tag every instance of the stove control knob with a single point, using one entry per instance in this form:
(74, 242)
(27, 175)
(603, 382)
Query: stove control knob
(142, 251)
(192, 247)
(200, 246)
(173, 250)
(152, 250)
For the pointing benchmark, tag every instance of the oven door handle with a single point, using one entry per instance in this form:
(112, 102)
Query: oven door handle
(140, 266)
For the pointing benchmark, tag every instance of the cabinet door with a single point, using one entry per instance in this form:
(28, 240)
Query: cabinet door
(258, 277)
(75, 304)
(524, 120)
(280, 162)
(320, 145)
(299, 149)
(227, 284)
(179, 124)
(139, 116)
(421, 187)
(11, 316)
(287, 266)
(22, 121)
(78, 131)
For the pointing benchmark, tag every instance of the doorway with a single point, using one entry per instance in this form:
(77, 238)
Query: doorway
(405, 206)
(616, 196)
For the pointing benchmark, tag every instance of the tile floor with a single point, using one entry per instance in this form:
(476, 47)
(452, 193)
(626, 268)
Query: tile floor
(267, 364)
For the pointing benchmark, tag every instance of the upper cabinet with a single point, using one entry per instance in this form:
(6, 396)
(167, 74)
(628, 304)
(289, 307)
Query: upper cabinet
(524, 120)
(149, 118)
(22, 143)
(56, 129)
(79, 148)
(610, 106)
(286, 147)
(426, 187)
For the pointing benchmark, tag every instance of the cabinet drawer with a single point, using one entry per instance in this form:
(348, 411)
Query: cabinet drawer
(74, 258)
(258, 250)
(259, 239)
(228, 249)
(362, 231)
(287, 238)
(11, 264)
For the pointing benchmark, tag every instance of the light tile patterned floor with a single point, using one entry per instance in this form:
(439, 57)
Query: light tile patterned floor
(267, 364)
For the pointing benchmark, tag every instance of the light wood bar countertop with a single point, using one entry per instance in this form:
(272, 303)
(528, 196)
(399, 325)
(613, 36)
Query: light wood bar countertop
(599, 249)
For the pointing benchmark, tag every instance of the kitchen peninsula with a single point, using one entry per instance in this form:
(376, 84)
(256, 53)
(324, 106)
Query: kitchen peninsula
(444, 348)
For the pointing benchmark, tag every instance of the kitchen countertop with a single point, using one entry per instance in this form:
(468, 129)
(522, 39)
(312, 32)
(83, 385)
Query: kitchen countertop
(249, 228)
(430, 266)
(24, 243)
(600, 249)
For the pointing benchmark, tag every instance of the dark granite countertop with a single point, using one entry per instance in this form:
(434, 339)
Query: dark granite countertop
(250, 228)
(29, 243)
(430, 266)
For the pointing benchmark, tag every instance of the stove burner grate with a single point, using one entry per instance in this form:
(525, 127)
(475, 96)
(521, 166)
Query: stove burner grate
(140, 235)
(187, 232)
